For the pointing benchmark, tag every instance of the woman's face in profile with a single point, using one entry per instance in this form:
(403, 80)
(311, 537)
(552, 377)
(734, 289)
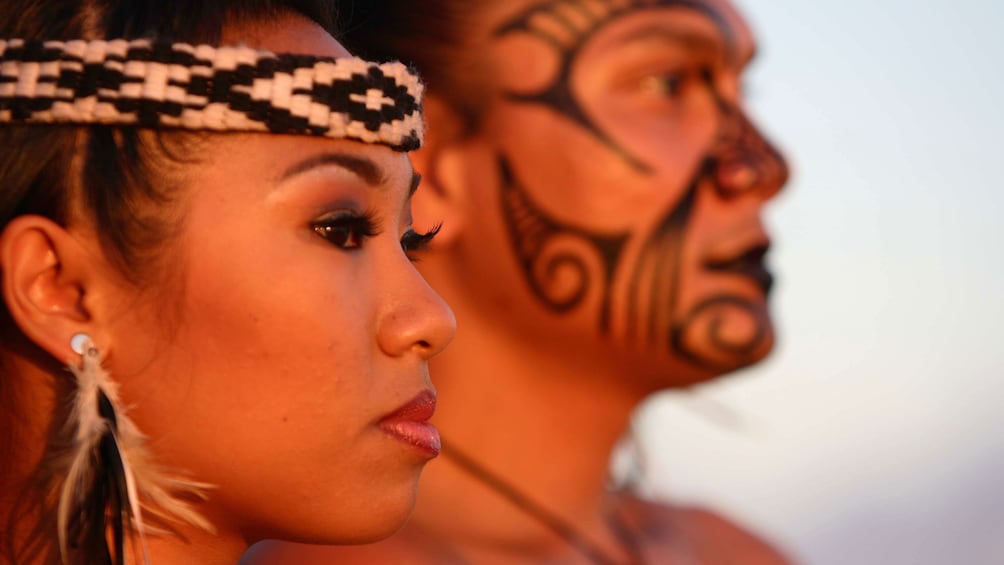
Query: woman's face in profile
(631, 184)
(284, 358)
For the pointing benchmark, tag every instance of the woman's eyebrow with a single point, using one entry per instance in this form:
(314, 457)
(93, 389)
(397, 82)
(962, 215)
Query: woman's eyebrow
(416, 179)
(364, 168)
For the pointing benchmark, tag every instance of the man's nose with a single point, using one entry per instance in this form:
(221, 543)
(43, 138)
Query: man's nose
(744, 161)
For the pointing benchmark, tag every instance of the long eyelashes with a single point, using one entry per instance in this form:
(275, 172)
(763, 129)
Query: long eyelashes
(350, 230)
(347, 229)
(413, 242)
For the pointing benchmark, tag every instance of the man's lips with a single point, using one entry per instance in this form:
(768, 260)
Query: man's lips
(750, 264)
(409, 423)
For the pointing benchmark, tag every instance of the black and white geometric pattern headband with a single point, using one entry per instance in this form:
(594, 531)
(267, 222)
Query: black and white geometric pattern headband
(150, 84)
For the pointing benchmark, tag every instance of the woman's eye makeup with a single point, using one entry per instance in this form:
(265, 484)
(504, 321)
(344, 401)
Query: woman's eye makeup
(349, 230)
(346, 229)
(412, 241)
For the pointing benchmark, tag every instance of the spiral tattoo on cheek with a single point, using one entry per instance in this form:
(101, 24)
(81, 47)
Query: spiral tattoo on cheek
(561, 262)
(704, 323)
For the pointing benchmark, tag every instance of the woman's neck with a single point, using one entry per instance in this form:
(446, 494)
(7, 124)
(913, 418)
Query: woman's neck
(196, 547)
(540, 423)
(30, 399)
(35, 398)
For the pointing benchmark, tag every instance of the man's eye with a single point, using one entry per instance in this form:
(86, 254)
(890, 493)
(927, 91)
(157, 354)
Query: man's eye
(668, 84)
(346, 230)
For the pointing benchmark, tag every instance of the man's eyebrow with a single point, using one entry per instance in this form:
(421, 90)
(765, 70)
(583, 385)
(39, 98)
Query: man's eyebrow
(723, 46)
(369, 171)
(694, 41)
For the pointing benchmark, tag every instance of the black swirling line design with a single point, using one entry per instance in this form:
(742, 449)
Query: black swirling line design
(654, 289)
(531, 231)
(593, 16)
(661, 255)
(737, 141)
(740, 351)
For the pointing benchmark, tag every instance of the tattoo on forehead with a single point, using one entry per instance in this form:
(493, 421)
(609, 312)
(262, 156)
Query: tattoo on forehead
(593, 15)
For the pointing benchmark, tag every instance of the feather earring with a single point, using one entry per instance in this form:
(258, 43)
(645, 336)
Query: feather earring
(109, 471)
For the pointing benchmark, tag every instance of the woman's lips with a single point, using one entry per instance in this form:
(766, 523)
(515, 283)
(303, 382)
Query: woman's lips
(409, 423)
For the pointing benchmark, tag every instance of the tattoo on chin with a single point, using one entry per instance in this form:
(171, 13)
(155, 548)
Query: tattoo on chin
(703, 324)
(568, 267)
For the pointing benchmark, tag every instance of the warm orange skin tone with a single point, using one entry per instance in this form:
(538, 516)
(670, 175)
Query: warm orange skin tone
(541, 398)
(263, 360)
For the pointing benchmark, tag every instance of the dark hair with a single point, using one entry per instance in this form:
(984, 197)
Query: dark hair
(442, 38)
(116, 176)
(115, 168)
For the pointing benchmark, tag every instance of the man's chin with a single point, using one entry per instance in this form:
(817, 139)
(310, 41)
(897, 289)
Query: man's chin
(743, 357)
(724, 334)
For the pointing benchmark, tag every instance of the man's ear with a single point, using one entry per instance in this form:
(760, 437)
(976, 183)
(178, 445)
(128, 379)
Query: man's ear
(45, 275)
(442, 163)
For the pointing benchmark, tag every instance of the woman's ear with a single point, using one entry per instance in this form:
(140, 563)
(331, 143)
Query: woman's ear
(441, 162)
(45, 275)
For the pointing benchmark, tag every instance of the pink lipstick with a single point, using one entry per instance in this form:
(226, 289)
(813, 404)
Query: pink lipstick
(409, 423)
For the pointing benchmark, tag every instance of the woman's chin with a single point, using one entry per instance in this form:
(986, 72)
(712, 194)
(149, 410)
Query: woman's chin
(371, 523)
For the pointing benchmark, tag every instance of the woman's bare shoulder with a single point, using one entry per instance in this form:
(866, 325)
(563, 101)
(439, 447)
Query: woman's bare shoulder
(707, 536)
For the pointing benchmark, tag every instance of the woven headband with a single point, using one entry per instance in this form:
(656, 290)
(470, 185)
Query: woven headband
(149, 84)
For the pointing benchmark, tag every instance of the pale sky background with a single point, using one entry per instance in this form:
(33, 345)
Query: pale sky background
(875, 434)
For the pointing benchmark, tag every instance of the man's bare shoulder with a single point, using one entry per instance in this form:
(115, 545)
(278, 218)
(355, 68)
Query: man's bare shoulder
(708, 536)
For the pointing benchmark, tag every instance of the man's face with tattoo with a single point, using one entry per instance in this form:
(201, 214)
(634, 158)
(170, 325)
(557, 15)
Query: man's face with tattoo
(630, 183)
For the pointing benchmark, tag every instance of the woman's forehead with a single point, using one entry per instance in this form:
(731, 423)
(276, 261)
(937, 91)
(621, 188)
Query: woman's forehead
(296, 34)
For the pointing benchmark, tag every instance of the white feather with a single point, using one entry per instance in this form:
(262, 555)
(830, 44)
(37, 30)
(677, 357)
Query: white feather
(148, 486)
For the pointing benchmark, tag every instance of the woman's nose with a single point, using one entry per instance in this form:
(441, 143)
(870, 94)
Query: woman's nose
(415, 319)
(745, 161)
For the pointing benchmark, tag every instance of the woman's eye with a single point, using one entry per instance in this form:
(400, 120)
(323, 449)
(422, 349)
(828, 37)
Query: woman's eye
(346, 230)
(412, 241)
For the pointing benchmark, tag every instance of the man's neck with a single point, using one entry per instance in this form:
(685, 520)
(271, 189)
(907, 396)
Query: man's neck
(529, 423)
